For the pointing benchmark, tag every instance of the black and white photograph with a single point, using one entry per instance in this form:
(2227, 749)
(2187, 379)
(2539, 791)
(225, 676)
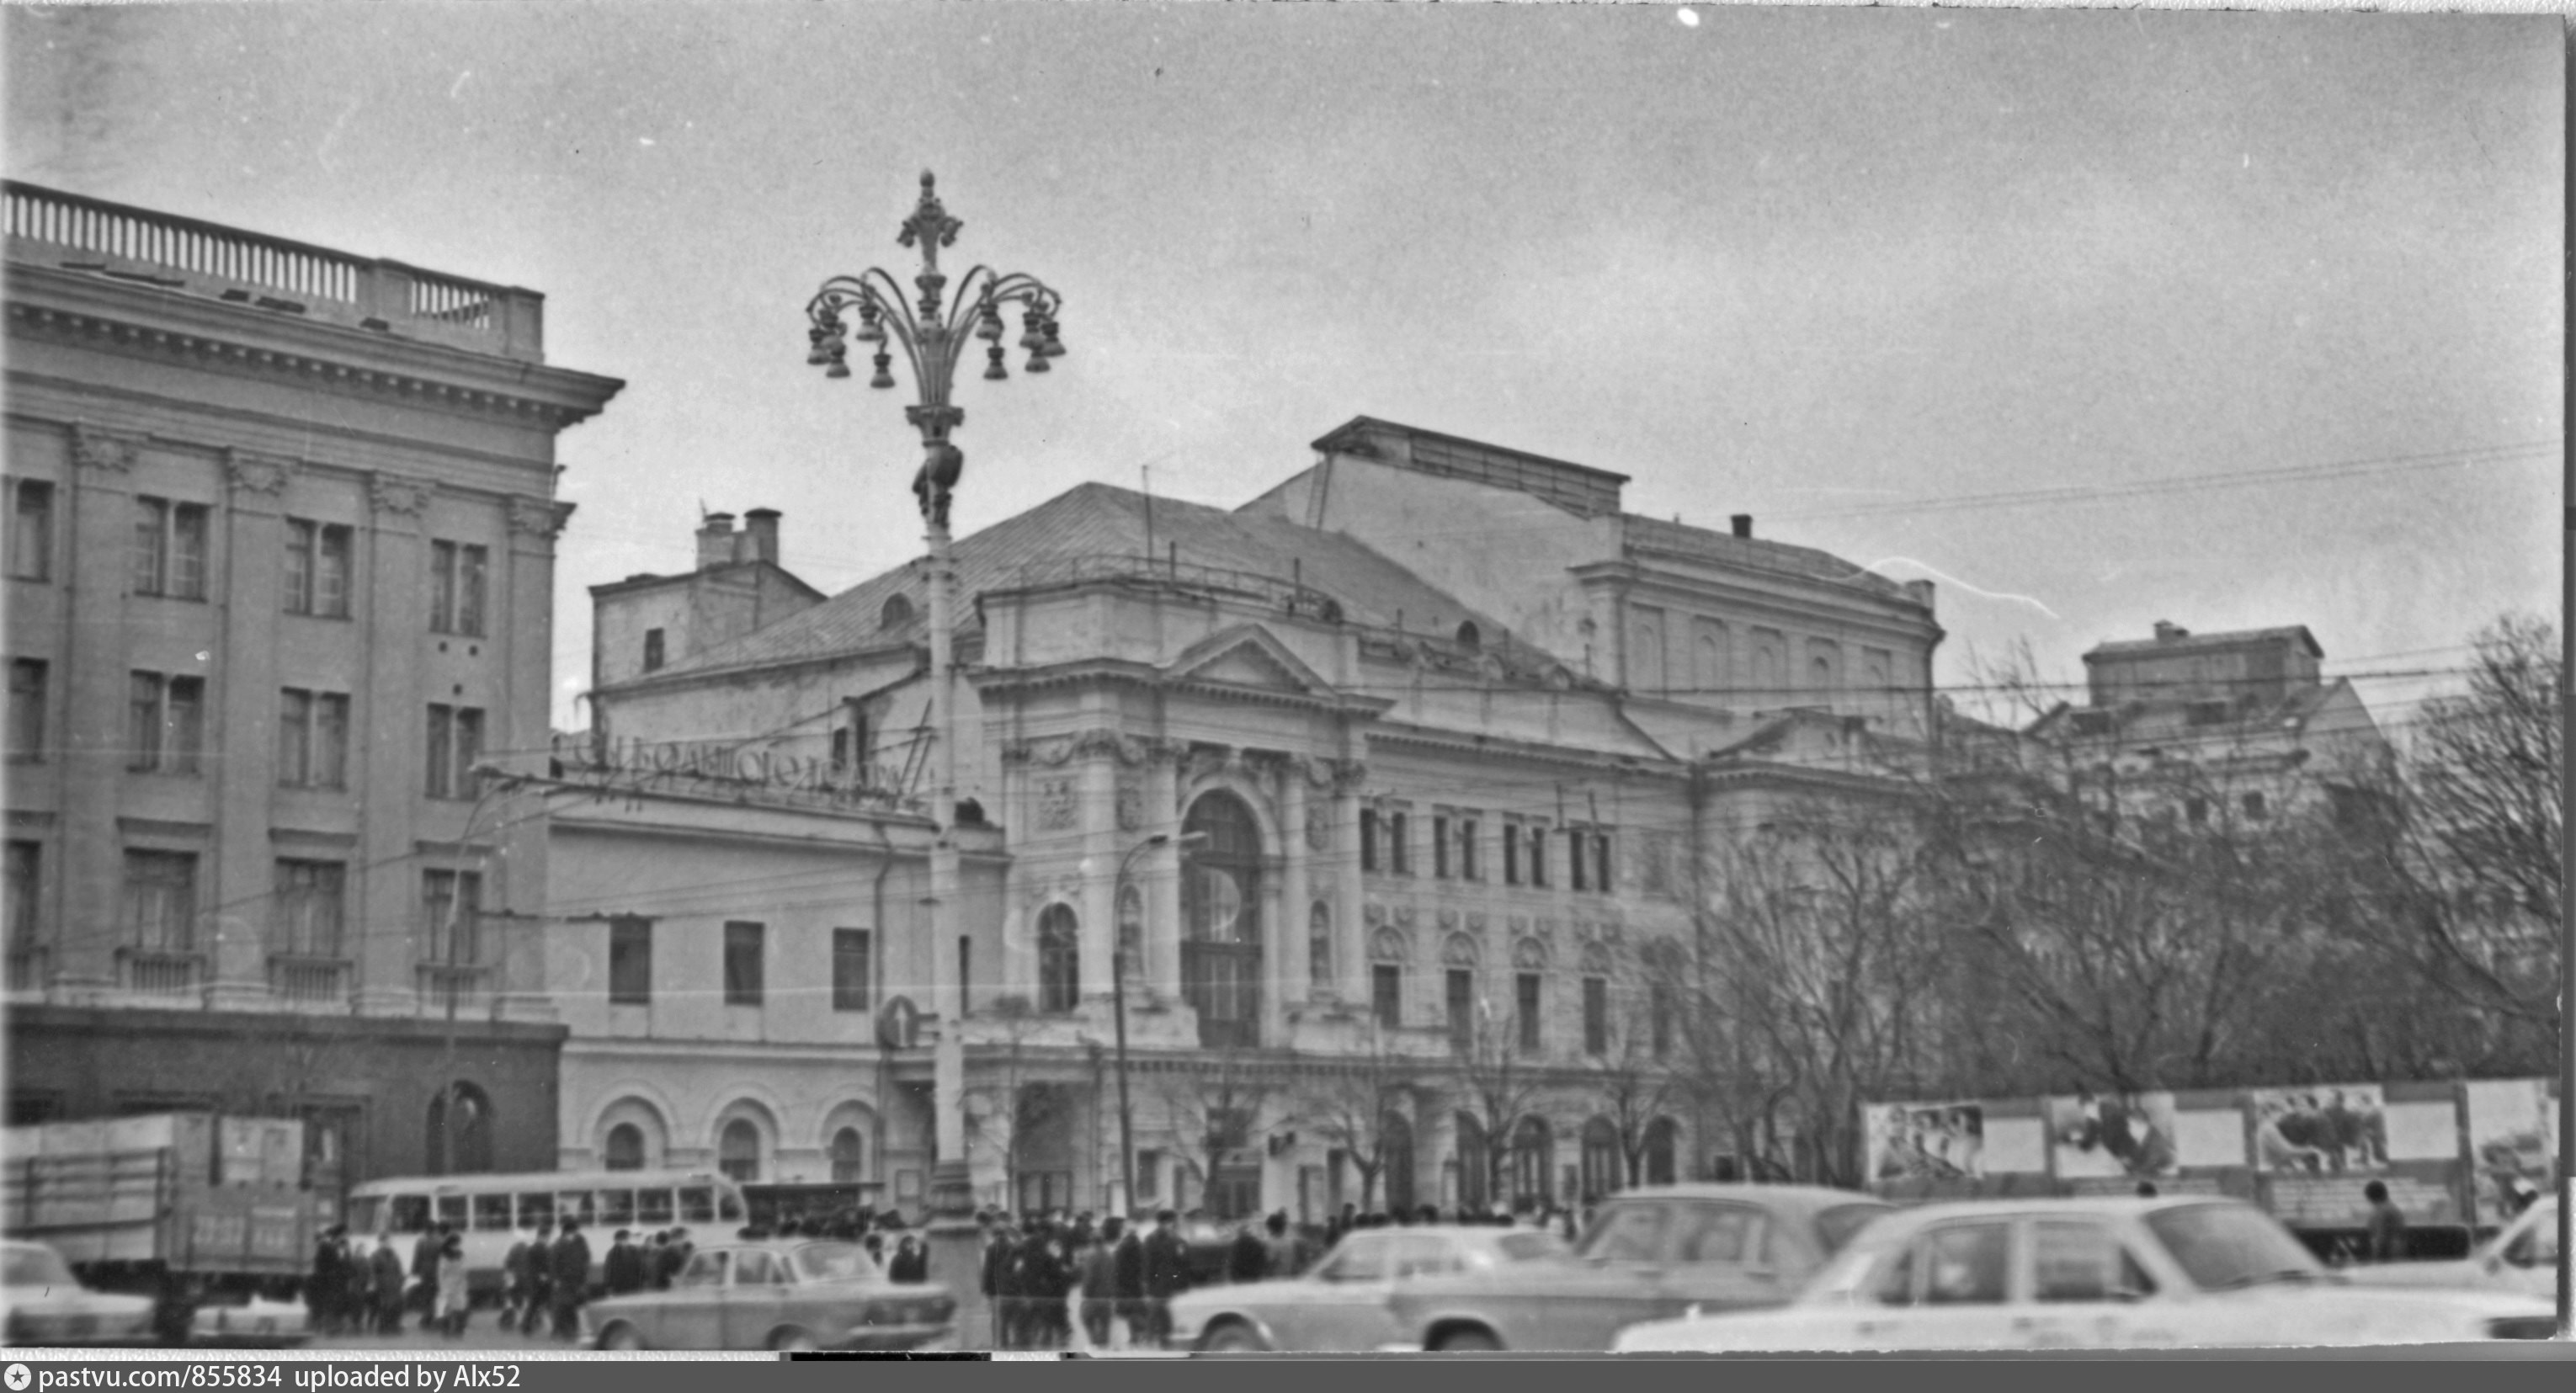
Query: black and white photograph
(1177, 680)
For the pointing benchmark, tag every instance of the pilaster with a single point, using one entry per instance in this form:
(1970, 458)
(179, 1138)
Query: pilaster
(245, 686)
(386, 762)
(93, 744)
(526, 702)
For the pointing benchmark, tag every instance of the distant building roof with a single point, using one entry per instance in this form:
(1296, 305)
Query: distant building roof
(2169, 640)
(1701, 544)
(1096, 520)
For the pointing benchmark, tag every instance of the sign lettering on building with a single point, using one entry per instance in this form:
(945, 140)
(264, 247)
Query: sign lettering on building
(726, 770)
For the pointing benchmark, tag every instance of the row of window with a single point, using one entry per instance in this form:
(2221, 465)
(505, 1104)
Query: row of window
(1529, 1017)
(166, 731)
(168, 558)
(1386, 846)
(745, 963)
(308, 907)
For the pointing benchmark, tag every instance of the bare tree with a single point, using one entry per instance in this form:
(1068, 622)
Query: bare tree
(1348, 1101)
(1219, 1105)
(1632, 1071)
(1014, 1107)
(1499, 1083)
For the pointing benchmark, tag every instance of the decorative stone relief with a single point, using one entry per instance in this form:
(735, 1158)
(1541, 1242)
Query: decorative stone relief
(1517, 923)
(539, 517)
(262, 474)
(93, 448)
(1476, 923)
(391, 493)
(1131, 805)
(1348, 775)
(1596, 960)
(1205, 761)
(1404, 916)
(1388, 946)
(1529, 955)
(1448, 918)
(1458, 950)
(1373, 914)
(1319, 827)
(1055, 805)
(1544, 930)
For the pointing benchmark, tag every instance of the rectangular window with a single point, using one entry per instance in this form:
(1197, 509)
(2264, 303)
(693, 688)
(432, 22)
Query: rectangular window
(1538, 857)
(1368, 839)
(653, 652)
(1467, 848)
(26, 860)
(1386, 994)
(1440, 847)
(26, 710)
(1511, 853)
(1525, 1011)
(1600, 862)
(455, 745)
(161, 901)
(329, 766)
(165, 724)
(1399, 858)
(743, 968)
(1461, 1001)
(457, 575)
(1149, 1169)
(1574, 876)
(1596, 1015)
(169, 549)
(630, 960)
(294, 737)
(965, 970)
(850, 969)
(317, 568)
(1659, 1012)
(451, 907)
(31, 529)
(309, 908)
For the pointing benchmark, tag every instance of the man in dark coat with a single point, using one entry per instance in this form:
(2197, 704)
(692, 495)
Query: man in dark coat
(388, 1266)
(1098, 1261)
(910, 1264)
(424, 1274)
(322, 1295)
(1167, 1274)
(1001, 1283)
(625, 1266)
(515, 1289)
(571, 1280)
(1247, 1260)
(1042, 1287)
(1127, 1283)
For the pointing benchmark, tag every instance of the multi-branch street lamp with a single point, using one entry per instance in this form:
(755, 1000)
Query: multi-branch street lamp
(936, 332)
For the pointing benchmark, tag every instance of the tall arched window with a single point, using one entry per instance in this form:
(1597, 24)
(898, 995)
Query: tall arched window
(1533, 1156)
(625, 1149)
(1474, 1166)
(472, 1144)
(1662, 1140)
(1602, 1172)
(849, 1156)
(1059, 959)
(1395, 1162)
(738, 1150)
(1221, 919)
(1319, 946)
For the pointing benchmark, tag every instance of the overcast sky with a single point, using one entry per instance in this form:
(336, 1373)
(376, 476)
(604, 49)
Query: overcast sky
(1847, 270)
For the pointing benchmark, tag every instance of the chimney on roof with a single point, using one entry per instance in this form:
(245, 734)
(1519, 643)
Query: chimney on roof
(761, 526)
(2167, 632)
(1743, 524)
(715, 541)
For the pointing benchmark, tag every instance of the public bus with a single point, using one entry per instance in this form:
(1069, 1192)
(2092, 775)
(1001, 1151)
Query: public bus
(492, 1212)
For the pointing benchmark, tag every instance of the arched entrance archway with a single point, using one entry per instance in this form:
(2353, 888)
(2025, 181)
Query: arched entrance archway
(1662, 1138)
(1475, 1169)
(1533, 1158)
(1221, 920)
(470, 1151)
(1604, 1169)
(1395, 1154)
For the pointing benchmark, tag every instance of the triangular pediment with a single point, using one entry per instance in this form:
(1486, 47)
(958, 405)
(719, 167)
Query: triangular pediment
(1248, 656)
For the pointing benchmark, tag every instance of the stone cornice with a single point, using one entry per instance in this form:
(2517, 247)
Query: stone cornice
(1489, 747)
(539, 517)
(207, 335)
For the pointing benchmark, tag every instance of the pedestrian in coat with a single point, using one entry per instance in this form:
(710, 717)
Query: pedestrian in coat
(1099, 1269)
(516, 1292)
(1167, 1274)
(388, 1273)
(1129, 1285)
(2387, 1233)
(424, 1274)
(571, 1280)
(451, 1288)
(322, 1291)
(1284, 1254)
(1247, 1259)
(1002, 1285)
(911, 1262)
(625, 1266)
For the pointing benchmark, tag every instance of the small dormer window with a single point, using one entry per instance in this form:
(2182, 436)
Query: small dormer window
(1469, 638)
(897, 613)
(652, 650)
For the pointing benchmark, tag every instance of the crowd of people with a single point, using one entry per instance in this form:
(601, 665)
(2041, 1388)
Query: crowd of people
(1117, 1275)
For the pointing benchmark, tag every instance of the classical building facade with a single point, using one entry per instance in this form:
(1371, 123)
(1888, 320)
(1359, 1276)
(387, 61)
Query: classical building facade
(1389, 785)
(281, 526)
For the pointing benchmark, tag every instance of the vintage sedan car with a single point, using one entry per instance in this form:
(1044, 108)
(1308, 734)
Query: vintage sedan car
(1648, 1254)
(1340, 1305)
(2523, 1257)
(47, 1305)
(782, 1295)
(256, 1323)
(2103, 1274)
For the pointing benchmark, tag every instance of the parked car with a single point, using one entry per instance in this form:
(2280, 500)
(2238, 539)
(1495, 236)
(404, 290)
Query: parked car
(2112, 1273)
(1648, 1254)
(1341, 1303)
(47, 1305)
(257, 1323)
(2522, 1257)
(782, 1295)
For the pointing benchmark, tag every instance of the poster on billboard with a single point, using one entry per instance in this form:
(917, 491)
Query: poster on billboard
(1926, 1141)
(2102, 1136)
(2325, 1130)
(2513, 1130)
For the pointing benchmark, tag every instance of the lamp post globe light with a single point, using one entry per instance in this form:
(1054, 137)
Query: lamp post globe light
(936, 331)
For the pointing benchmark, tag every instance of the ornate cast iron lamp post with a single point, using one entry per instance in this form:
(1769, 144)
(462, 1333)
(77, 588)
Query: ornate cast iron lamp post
(936, 332)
